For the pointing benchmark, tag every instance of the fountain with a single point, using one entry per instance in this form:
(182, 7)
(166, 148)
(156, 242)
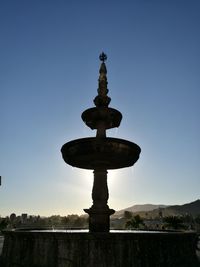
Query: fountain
(100, 153)
(99, 247)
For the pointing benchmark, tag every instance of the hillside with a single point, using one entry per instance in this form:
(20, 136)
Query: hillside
(192, 208)
(152, 211)
(138, 209)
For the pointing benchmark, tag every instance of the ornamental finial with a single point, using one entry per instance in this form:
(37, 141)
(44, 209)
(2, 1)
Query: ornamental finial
(103, 57)
(102, 100)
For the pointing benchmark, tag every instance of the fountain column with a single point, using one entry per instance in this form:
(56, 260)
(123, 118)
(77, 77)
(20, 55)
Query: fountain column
(100, 189)
(99, 213)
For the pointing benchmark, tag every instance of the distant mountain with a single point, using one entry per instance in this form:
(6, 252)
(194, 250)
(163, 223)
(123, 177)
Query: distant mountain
(139, 208)
(192, 208)
(151, 211)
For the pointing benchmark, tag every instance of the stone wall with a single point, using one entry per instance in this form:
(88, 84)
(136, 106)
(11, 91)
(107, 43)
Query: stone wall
(54, 249)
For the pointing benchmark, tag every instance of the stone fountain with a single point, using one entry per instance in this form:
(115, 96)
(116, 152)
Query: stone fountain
(100, 153)
(99, 247)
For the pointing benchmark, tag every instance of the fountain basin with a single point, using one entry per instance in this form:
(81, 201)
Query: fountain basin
(111, 117)
(114, 249)
(97, 153)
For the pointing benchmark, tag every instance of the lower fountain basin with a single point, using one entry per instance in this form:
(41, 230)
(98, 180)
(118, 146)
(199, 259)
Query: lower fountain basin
(114, 249)
(93, 153)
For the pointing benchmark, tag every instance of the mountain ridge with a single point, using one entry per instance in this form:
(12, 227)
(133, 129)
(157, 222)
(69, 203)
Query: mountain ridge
(192, 208)
(140, 208)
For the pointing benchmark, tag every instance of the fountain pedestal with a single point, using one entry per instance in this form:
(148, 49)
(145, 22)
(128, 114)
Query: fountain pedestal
(99, 213)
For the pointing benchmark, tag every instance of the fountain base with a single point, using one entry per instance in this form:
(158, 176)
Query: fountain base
(115, 249)
(99, 220)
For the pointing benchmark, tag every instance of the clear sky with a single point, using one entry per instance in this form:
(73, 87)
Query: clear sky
(49, 75)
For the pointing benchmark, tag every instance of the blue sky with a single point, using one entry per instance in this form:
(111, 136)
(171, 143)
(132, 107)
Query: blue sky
(49, 75)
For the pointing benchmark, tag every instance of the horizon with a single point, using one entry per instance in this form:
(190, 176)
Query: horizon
(84, 214)
(49, 75)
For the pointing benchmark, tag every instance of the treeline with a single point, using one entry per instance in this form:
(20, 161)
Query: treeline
(131, 220)
(37, 222)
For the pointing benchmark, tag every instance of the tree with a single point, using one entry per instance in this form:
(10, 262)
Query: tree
(3, 224)
(128, 214)
(197, 219)
(173, 222)
(135, 222)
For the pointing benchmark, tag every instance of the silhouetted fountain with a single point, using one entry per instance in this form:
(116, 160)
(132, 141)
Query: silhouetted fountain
(99, 247)
(100, 153)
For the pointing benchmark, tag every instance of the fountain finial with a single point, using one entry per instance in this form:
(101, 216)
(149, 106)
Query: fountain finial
(103, 57)
(102, 117)
(102, 100)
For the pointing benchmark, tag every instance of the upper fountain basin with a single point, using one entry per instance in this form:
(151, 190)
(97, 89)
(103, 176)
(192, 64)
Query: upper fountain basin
(110, 117)
(94, 153)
